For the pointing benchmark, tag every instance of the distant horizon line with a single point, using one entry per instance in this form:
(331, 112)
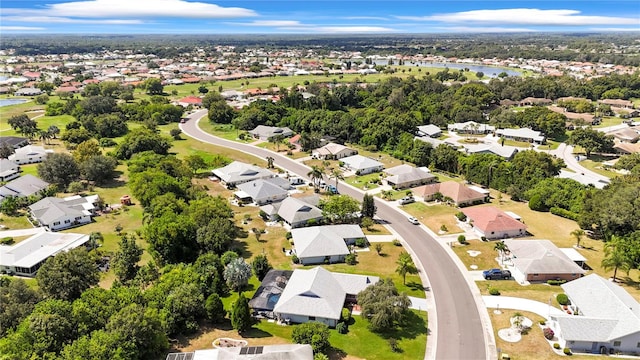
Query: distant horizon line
(388, 34)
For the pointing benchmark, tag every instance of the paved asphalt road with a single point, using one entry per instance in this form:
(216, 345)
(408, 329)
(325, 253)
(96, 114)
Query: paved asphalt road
(458, 332)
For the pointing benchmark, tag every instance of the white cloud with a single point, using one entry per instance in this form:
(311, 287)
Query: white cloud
(66, 20)
(297, 26)
(364, 18)
(20, 28)
(135, 8)
(481, 29)
(616, 29)
(273, 23)
(525, 17)
(354, 29)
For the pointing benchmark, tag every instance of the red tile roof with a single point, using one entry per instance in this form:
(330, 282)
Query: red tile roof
(488, 219)
(191, 100)
(456, 191)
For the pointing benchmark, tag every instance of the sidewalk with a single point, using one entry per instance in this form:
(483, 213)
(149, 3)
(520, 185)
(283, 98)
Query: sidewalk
(514, 303)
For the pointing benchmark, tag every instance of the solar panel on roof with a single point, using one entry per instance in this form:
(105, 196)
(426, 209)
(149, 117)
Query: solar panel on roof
(243, 351)
(259, 349)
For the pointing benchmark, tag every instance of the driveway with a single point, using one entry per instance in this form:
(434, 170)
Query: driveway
(459, 324)
(514, 303)
(565, 152)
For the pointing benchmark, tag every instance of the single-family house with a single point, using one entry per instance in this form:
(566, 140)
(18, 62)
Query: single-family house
(319, 295)
(190, 100)
(297, 212)
(27, 91)
(26, 257)
(584, 179)
(627, 134)
(14, 141)
(626, 148)
(460, 194)
(264, 132)
(471, 127)
(531, 101)
(541, 260)
(238, 172)
(429, 130)
(328, 243)
(8, 170)
(506, 152)
(333, 151)
(263, 352)
(405, 176)
(619, 103)
(23, 186)
(61, 213)
(362, 165)
(607, 320)
(29, 154)
(263, 191)
(522, 134)
(493, 223)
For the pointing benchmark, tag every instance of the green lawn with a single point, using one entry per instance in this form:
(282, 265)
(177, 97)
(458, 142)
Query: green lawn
(434, 216)
(364, 182)
(225, 131)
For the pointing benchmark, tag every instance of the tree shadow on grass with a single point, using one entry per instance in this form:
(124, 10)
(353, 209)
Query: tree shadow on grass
(336, 354)
(415, 286)
(254, 333)
(629, 282)
(412, 326)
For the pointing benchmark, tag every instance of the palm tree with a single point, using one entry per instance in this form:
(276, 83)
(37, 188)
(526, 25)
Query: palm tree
(336, 174)
(405, 266)
(492, 165)
(44, 136)
(615, 257)
(270, 160)
(316, 174)
(502, 248)
(578, 234)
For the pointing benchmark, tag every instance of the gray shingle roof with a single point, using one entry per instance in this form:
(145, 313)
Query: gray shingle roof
(262, 189)
(50, 209)
(238, 172)
(294, 210)
(541, 257)
(608, 312)
(324, 240)
(23, 186)
(404, 173)
(359, 162)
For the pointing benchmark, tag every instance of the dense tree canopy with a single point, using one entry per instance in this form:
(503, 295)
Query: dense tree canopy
(66, 275)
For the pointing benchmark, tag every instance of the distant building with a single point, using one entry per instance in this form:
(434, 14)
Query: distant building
(460, 194)
(238, 172)
(263, 132)
(61, 213)
(8, 170)
(405, 176)
(29, 154)
(22, 187)
(493, 223)
(362, 165)
(265, 352)
(333, 151)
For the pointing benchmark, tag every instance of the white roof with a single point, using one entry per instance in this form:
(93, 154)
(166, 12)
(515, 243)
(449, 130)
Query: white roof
(241, 172)
(39, 247)
(608, 311)
(262, 189)
(359, 162)
(429, 130)
(525, 133)
(324, 240)
(583, 179)
(540, 257)
(573, 254)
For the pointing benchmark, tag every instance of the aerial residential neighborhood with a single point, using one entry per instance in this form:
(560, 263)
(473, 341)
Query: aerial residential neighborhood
(351, 190)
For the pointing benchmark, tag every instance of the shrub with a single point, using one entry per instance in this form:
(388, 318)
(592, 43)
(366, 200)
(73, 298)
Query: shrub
(295, 259)
(556, 282)
(288, 235)
(461, 216)
(537, 204)
(494, 291)
(564, 213)
(6, 240)
(346, 315)
(396, 242)
(542, 322)
(556, 346)
(483, 238)
(106, 142)
(393, 343)
(462, 239)
(351, 259)
(563, 299)
(361, 242)
(443, 227)
(342, 327)
(548, 333)
(566, 351)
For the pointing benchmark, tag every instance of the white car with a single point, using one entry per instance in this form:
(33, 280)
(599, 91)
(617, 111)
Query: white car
(413, 220)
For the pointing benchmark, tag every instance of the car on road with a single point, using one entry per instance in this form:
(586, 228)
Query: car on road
(496, 274)
(413, 220)
(183, 120)
(332, 189)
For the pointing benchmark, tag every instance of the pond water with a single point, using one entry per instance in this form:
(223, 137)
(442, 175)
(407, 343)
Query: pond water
(490, 71)
(7, 102)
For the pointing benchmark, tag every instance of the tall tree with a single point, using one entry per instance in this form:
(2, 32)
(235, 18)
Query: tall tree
(616, 256)
(241, 315)
(316, 175)
(125, 260)
(17, 300)
(578, 234)
(59, 168)
(337, 175)
(66, 275)
(383, 306)
(214, 308)
(314, 333)
(261, 266)
(502, 248)
(368, 206)
(405, 266)
(340, 209)
(237, 274)
(591, 140)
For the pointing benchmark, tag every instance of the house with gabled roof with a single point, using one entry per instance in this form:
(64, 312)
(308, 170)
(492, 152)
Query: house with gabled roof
(61, 213)
(264, 191)
(429, 130)
(541, 260)
(328, 243)
(471, 127)
(264, 352)
(460, 194)
(607, 318)
(362, 165)
(29, 154)
(504, 151)
(295, 212)
(493, 223)
(405, 176)
(319, 295)
(14, 141)
(333, 151)
(522, 134)
(8, 170)
(23, 186)
(264, 132)
(26, 257)
(238, 172)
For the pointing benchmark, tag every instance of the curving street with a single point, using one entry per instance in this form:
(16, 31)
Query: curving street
(459, 327)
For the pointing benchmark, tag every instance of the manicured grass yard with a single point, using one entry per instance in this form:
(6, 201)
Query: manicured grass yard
(434, 216)
(365, 182)
(225, 131)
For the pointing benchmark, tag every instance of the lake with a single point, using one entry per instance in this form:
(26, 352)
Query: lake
(490, 71)
(7, 102)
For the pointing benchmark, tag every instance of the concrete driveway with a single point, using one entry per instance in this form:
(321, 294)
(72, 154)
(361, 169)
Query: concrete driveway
(514, 303)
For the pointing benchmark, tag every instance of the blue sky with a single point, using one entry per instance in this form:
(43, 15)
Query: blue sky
(315, 16)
